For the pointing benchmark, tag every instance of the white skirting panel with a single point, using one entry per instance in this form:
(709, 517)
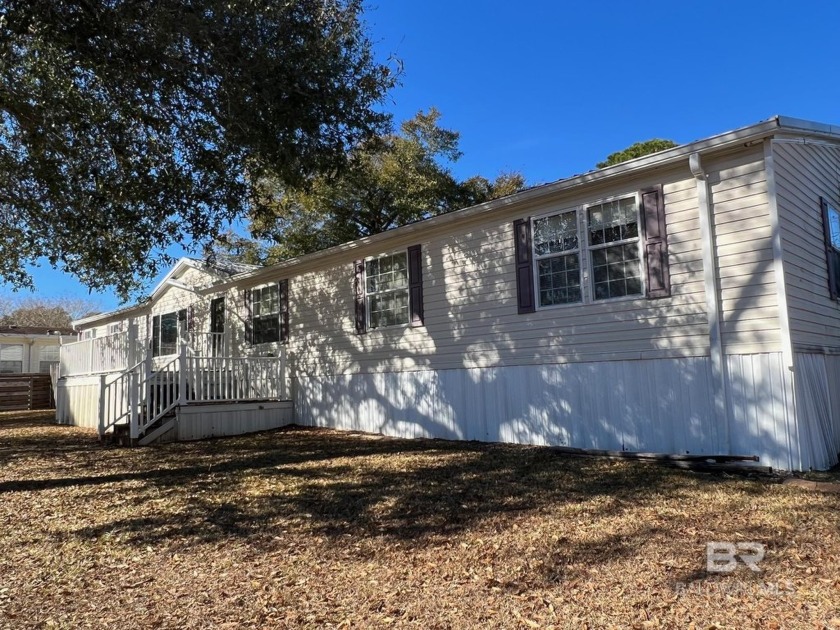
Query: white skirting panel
(77, 400)
(196, 422)
(762, 418)
(662, 405)
(818, 408)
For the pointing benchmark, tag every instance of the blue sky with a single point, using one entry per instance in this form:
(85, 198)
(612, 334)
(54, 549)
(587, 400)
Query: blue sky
(551, 88)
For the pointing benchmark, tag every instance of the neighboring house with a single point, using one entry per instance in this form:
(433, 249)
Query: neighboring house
(28, 349)
(682, 302)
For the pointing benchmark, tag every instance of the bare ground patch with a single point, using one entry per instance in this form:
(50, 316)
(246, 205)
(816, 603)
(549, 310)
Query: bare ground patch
(316, 528)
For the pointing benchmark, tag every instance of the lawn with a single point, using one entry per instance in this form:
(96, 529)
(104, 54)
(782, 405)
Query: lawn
(316, 528)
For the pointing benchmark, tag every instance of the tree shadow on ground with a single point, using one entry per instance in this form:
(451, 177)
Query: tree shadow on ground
(338, 484)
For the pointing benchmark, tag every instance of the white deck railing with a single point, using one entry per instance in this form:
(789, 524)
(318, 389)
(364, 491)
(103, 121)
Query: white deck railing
(144, 393)
(99, 355)
(114, 353)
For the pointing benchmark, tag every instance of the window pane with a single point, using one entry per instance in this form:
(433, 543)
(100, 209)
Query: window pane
(555, 234)
(386, 289)
(613, 221)
(616, 271)
(11, 352)
(265, 313)
(169, 333)
(559, 280)
(266, 329)
(834, 227)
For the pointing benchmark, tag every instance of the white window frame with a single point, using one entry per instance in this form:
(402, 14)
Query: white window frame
(639, 239)
(584, 250)
(406, 289)
(536, 258)
(181, 332)
(275, 313)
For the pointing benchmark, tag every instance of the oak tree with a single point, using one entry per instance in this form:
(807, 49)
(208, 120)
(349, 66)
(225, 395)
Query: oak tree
(128, 125)
(390, 181)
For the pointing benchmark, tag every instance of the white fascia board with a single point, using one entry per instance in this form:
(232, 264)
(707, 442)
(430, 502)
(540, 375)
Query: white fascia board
(168, 279)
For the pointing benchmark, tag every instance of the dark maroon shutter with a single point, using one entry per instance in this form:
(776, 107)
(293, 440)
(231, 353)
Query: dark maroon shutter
(284, 311)
(656, 244)
(247, 316)
(524, 266)
(190, 318)
(359, 287)
(832, 256)
(415, 285)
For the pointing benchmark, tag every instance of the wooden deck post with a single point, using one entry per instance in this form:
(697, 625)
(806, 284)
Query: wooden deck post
(134, 381)
(283, 356)
(101, 404)
(182, 374)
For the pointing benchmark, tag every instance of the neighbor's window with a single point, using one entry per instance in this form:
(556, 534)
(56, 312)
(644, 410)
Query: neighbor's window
(265, 314)
(11, 358)
(47, 358)
(613, 228)
(557, 259)
(386, 290)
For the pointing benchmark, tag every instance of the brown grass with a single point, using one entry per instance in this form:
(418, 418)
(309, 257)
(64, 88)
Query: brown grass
(315, 528)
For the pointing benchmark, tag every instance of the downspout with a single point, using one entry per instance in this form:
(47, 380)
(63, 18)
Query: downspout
(712, 290)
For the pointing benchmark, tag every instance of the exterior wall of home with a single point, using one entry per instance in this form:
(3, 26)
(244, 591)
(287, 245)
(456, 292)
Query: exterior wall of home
(471, 318)
(804, 172)
(629, 374)
(655, 405)
(744, 254)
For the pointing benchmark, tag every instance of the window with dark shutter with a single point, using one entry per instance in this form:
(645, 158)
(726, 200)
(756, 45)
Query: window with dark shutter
(524, 267)
(359, 289)
(658, 274)
(247, 316)
(831, 227)
(284, 311)
(415, 285)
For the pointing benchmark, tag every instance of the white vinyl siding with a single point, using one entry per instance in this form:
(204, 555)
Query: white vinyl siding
(471, 317)
(804, 173)
(744, 254)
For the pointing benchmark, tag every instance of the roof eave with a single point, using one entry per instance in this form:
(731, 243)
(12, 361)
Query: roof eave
(655, 160)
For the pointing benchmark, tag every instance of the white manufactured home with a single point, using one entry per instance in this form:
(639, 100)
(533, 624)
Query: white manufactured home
(683, 302)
